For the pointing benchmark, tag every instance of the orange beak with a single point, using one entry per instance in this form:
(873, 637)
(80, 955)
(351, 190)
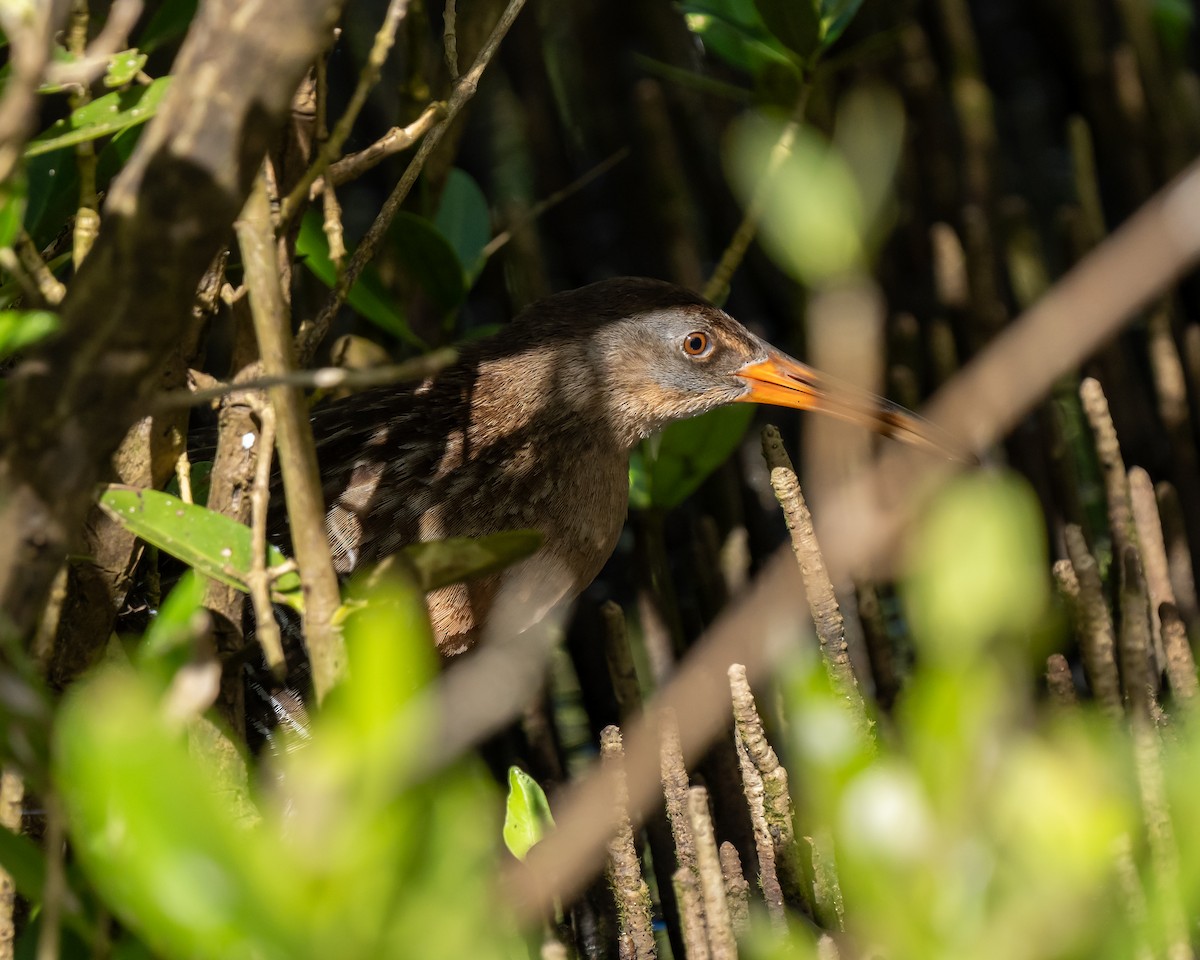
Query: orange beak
(783, 382)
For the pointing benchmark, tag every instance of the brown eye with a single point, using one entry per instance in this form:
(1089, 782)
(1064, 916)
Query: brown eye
(696, 344)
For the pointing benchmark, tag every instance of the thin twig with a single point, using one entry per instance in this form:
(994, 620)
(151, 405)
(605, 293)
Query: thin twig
(1079, 582)
(538, 209)
(396, 140)
(323, 378)
(91, 63)
(259, 578)
(313, 332)
(450, 37)
(12, 793)
(54, 887)
(297, 454)
(367, 78)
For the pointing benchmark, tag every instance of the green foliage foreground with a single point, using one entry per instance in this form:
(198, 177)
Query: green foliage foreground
(984, 823)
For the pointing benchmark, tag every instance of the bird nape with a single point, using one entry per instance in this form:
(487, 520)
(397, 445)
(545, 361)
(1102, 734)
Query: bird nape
(533, 427)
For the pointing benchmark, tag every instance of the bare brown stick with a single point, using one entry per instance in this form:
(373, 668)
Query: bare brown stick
(396, 140)
(1079, 580)
(323, 378)
(30, 32)
(54, 885)
(766, 785)
(1152, 547)
(367, 78)
(721, 942)
(450, 37)
(675, 788)
(620, 661)
(312, 333)
(259, 578)
(1059, 681)
(636, 940)
(1181, 665)
(1133, 641)
(1108, 450)
(1129, 269)
(112, 38)
(297, 453)
(691, 913)
(737, 890)
(827, 617)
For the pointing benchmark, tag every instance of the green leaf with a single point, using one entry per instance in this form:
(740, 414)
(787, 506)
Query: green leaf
(441, 562)
(835, 17)
(124, 67)
(164, 845)
(21, 328)
(13, 196)
(101, 118)
(527, 816)
(733, 31)
(214, 544)
(794, 22)
(168, 644)
(25, 863)
(429, 259)
(683, 455)
(465, 221)
(367, 297)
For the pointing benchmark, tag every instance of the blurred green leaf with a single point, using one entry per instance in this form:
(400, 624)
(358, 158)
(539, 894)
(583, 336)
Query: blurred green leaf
(214, 544)
(794, 22)
(527, 816)
(835, 17)
(367, 297)
(669, 468)
(124, 67)
(22, 328)
(429, 259)
(438, 563)
(170, 21)
(1173, 21)
(168, 644)
(13, 194)
(102, 117)
(158, 840)
(814, 225)
(464, 220)
(977, 569)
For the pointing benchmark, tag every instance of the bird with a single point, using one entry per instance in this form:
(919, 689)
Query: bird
(533, 427)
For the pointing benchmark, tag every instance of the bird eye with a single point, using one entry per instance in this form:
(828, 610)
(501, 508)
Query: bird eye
(696, 344)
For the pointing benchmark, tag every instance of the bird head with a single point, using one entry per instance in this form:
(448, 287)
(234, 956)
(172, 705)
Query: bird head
(666, 354)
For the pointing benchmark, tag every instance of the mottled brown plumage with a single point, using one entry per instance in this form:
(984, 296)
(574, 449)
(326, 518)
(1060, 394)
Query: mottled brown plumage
(532, 428)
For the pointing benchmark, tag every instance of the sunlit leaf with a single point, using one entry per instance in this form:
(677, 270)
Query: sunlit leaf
(102, 117)
(214, 544)
(733, 31)
(464, 220)
(22, 328)
(668, 469)
(123, 68)
(441, 562)
(527, 816)
(367, 296)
